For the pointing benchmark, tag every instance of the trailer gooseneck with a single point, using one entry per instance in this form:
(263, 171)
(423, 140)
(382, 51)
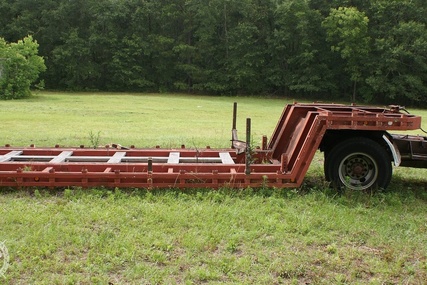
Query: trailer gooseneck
(357, 145)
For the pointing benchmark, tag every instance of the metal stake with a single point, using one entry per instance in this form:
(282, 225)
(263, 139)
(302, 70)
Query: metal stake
(233, 127)
(248, 147)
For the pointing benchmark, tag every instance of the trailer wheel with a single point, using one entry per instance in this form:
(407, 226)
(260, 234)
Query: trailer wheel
(358, 164)
(326, 166)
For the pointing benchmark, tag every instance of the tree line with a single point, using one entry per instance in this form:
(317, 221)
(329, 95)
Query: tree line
(356, 50)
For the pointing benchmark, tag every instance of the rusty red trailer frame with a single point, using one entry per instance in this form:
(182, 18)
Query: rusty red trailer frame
(283, 162)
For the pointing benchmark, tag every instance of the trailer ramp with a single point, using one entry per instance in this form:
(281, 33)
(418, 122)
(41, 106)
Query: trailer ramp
(301, 128)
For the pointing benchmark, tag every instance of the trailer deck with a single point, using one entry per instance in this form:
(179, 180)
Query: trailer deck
(283, 162)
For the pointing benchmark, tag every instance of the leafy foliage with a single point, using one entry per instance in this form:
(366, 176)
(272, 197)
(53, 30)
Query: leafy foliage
(19, 67)
(347, 31)
(340, 49)
(298, 65)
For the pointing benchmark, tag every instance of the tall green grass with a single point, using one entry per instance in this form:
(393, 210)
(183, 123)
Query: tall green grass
(309, 235)
(214, 237)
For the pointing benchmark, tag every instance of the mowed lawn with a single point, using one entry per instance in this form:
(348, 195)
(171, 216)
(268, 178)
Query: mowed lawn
(308, 235)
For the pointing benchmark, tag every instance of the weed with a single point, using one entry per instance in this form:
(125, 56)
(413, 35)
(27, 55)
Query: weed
(27, 168)
(37, 193)
(331, 249)
(68, 193)
(94, 139)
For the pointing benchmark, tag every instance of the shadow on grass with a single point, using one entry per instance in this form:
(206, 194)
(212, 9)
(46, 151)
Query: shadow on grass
(410, 186)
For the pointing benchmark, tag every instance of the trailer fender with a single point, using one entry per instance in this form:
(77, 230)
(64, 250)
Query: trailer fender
(397, 158)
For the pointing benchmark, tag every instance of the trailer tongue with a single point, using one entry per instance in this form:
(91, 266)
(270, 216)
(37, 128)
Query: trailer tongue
(358, 154)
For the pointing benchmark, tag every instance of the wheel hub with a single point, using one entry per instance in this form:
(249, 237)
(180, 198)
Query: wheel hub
(357, 168)
(358, 171)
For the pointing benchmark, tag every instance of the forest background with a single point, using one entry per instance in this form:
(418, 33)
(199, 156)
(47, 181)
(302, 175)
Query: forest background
(358, 50)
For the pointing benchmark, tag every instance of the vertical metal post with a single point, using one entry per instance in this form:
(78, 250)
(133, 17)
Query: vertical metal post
(233, 127)
(234, 115)
(264, 143)
(150, 173)
(248, 147)
(150, 165)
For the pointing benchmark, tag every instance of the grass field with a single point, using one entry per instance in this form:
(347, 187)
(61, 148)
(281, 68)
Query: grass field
(142, 120)
(308, 235)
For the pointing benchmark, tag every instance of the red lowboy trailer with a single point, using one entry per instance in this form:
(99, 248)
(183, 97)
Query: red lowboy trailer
(357, 145)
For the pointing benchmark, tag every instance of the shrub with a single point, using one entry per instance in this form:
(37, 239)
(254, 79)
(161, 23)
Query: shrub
(20, 66)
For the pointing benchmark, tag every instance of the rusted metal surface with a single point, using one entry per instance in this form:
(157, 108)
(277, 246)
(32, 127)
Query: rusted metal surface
(145, 168)
(302, 126)
(282, 163)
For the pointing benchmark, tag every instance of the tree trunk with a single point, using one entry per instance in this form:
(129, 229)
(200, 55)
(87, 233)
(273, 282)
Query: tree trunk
(353, 99)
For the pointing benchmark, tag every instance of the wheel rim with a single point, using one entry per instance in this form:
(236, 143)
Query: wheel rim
(358, 171)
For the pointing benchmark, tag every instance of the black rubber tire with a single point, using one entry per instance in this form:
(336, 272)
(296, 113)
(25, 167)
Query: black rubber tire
(326, 166)
(358, 164)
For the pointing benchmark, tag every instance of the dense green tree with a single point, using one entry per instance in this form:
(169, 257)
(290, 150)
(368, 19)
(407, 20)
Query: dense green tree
(211, 43)
(296, 48)
(246, 45)
(75, 56)
(229, 46)
(20, 67)
(347, 31)
(398, 68)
